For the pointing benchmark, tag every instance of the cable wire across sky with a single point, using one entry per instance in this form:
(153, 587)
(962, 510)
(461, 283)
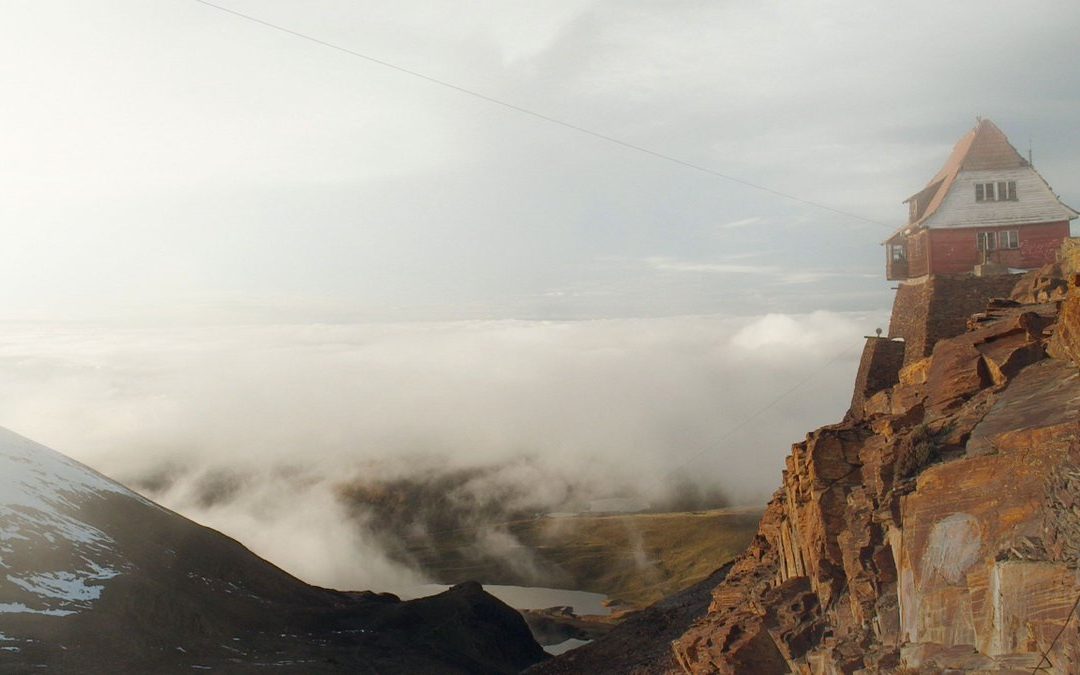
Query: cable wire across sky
(610, 139)
(542, 117)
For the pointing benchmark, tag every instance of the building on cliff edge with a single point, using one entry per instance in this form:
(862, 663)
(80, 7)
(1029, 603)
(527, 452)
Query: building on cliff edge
(987, 210)
(983, 219)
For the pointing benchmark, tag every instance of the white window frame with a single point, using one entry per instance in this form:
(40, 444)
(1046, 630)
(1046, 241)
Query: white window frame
(1009, 239)
(986, 241)
(996, 191)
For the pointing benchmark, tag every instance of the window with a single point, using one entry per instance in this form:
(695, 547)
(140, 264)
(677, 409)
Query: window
(987, 241)
(898, 253)
(992, 241)
(1000, 191)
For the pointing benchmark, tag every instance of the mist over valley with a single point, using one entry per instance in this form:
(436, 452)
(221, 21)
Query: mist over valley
(347, 453)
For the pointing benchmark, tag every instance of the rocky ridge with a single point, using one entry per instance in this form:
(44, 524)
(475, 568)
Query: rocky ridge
(97, 579)
(937, 528)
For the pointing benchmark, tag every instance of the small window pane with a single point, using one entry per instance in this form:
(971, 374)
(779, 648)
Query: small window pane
(1002, 191)
(1012, 191)
(979, 194)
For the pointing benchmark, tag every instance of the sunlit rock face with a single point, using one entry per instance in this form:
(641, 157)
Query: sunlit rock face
(97, 579)
(1065, 343)
(936, 528)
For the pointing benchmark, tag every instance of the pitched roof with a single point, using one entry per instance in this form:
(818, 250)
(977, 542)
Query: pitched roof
(983, 148)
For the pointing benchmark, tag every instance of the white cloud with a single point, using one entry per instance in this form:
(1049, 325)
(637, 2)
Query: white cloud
(177, 152)
(271, 419)
(814, 276)
(776, 338)
(671, 265)
(177, 167)
(742, 222)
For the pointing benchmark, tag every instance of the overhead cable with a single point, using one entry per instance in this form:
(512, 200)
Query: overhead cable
(543, 117)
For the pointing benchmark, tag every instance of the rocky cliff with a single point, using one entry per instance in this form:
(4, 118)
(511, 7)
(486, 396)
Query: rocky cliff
(937, 528)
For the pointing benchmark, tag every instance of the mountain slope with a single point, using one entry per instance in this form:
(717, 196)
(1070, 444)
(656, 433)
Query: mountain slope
(99, 579)
(635, 559)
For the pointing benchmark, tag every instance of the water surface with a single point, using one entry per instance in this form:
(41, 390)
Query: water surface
(531, 597)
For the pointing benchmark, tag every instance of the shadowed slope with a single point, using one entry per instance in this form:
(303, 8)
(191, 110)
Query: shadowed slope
(99, 579)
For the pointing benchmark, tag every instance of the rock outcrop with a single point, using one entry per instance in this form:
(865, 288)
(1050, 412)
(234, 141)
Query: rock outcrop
(937, 528)
(1065, 343)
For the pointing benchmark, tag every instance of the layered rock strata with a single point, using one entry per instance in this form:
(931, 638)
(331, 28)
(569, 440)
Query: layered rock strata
(936, 529)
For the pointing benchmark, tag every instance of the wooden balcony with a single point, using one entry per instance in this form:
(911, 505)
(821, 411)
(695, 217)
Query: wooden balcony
(896, 267)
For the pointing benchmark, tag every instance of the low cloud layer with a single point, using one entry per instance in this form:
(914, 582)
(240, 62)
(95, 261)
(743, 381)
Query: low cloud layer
(260, 431)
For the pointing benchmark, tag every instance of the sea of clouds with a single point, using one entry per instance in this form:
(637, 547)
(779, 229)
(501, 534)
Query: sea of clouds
(256, 430)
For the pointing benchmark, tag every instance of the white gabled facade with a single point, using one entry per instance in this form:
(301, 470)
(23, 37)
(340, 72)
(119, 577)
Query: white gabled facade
(1035, 202)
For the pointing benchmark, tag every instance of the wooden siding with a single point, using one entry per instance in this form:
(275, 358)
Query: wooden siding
(918, 255)
(917, 263)
(1035, 202)
(956, 250)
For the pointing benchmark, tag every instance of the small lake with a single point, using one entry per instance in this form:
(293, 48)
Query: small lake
(564, 647)
(530, 597)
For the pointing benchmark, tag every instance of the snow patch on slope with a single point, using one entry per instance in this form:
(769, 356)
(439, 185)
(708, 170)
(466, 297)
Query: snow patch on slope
(40, 495)
(66, 585)
(33, 476)
(20, 608)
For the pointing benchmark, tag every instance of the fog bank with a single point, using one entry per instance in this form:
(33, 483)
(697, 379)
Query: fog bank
(263, 431)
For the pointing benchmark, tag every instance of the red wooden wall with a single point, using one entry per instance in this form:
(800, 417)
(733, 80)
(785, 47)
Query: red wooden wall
(955, 251)
(918, 254)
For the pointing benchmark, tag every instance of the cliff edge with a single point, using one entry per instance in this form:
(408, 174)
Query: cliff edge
(937, 528)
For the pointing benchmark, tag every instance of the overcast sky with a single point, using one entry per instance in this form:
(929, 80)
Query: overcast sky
(229, 249)
(168, 161)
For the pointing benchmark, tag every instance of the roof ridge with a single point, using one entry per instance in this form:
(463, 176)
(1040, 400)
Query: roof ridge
(984, 147)
(990, 149)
